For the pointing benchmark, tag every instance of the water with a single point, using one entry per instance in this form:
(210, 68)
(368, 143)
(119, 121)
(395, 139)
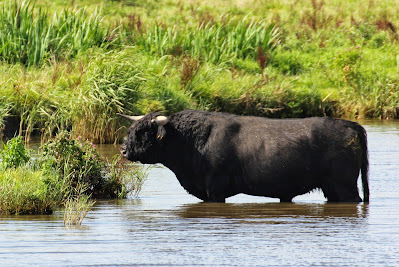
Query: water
(168, 227)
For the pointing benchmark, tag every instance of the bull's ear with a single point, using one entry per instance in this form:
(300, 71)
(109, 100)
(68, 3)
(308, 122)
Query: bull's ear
(161, 133)
(160, 120)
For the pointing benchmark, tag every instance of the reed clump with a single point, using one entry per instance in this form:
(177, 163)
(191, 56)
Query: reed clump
(76, 207)
(124, 179)
(219, 41)
(31, 36)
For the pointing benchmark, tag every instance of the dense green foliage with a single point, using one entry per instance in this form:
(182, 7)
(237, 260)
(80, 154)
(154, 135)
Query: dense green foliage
(77, 160)
(67, 171)
(215, 42)
(14, 154)
(255, 57)
(25, 187)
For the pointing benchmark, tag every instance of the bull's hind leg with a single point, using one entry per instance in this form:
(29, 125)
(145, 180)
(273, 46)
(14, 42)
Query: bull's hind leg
(341, 185)
(334, 193)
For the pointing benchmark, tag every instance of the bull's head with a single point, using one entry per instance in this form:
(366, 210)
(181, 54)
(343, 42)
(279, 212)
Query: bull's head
(144, 137)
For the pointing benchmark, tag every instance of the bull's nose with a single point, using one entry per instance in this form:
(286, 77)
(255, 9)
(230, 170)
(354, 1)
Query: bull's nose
(123, 150)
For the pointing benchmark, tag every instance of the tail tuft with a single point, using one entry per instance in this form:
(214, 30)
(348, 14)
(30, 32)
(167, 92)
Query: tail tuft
(365, 164)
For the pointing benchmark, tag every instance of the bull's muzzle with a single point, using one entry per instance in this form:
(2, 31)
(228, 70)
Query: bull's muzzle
(123, 150)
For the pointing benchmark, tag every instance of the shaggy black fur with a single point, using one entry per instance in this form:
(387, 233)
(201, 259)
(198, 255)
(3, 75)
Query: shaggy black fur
(217, 155)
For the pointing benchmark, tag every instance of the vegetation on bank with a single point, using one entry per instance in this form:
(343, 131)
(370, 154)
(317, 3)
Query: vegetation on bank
(66, 172)
(75, 65)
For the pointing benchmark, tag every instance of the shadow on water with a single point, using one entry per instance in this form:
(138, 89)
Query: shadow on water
(56, 216)
(271, 210)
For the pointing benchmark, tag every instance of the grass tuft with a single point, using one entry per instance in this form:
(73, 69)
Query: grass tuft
(25, 191)
(76, 207)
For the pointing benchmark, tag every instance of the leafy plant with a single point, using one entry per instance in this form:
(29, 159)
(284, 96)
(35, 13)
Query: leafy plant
(76, 159)
(68, 171)
(14, 153)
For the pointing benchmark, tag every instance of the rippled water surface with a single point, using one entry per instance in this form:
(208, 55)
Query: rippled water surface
(168, 227)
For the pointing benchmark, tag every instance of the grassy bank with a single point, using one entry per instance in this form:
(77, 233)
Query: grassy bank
(88, 61)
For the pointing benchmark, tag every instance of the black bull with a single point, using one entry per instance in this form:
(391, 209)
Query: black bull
(216, 155)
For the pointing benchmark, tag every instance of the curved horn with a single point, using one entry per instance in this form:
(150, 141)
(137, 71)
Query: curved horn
(160, 120)
(131, 118)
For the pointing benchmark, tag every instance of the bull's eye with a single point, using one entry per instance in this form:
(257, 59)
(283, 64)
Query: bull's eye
(138, 138)
(141, 136)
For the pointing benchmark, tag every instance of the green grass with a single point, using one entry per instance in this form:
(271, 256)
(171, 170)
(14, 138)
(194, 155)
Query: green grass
(219, 41)
(89, 60)
(25, 191)
(30, 36)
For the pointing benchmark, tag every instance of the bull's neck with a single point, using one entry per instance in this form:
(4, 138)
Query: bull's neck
(179, 150)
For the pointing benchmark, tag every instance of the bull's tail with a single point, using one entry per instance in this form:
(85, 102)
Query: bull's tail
(365, 163)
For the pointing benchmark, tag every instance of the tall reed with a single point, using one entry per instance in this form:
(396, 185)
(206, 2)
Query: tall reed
(112, 84)
(5, 108)
(30, 36)
(214, 42)
(77, 206)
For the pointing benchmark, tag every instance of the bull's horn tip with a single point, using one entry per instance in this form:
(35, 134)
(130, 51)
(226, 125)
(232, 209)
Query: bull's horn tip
(132, 118)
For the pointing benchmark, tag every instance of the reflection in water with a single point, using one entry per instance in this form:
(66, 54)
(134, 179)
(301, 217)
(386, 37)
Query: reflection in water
(108, 151)
(270, 210)
(55, 217)
(256, 234)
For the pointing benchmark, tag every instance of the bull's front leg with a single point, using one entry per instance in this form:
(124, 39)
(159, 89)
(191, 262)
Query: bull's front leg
(218, 188)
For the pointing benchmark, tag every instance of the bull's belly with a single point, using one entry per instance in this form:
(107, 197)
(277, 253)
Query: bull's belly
(280, 183)
(279, 191)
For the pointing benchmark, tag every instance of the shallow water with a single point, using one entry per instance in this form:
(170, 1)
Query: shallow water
(168, 227)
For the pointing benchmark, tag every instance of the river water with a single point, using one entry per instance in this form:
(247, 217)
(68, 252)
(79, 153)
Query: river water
(168, 227)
